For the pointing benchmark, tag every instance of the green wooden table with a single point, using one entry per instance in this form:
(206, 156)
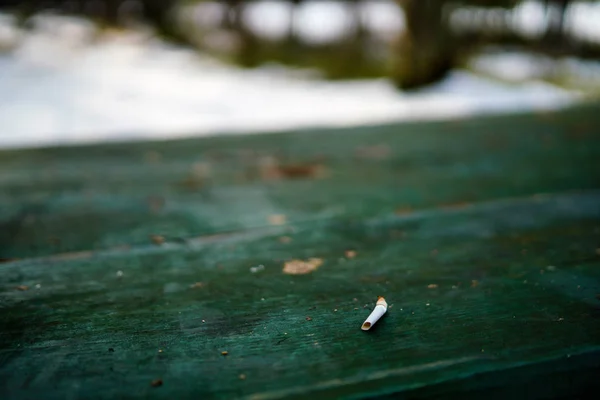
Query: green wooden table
(128, 269)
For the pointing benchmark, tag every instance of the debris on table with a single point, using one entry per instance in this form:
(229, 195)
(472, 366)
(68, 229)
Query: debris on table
(22, 288)
(157, 239)
(300, 267)
(285, 239)
(156, 383)
(272, 169)
(256, 269)
(376, 314)
(432, 286)
(224, 353)
(277, 219)
(350, 253)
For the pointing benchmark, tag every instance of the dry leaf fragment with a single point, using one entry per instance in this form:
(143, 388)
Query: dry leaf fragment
(301, 267)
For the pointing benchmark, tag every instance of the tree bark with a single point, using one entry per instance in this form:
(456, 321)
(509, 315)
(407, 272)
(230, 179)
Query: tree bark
(425, 51)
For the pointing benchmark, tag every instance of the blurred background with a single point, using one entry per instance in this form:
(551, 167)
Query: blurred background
(95, 70)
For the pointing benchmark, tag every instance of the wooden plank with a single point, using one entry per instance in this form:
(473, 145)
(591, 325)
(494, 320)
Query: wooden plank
(483, 235)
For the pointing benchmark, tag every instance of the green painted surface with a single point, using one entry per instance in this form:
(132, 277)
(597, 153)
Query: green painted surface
(482, 234)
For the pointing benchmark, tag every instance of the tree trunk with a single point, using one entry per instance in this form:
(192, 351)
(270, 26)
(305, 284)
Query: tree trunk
(554, 37)
(425, 51)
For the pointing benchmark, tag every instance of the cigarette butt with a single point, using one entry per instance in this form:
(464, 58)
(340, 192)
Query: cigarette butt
(378, 311)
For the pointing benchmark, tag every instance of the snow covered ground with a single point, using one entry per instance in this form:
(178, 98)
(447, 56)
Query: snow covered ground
(64, 82)
(517, 66)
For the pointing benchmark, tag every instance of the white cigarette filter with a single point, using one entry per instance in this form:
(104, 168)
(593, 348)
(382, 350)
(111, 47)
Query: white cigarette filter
(378, 311)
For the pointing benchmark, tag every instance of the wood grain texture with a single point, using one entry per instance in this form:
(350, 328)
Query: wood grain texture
(483, 235)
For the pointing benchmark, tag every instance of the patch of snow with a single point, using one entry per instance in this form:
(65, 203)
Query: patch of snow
(520, 66)
(70, 84)
(513, 66)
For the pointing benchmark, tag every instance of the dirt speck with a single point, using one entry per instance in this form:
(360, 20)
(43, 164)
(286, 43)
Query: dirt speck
(350, 253)
(308, 318)
(157, 239)
(285, 239)
(301, 267)
(156, 383)
(277, 219)
(432, 286)
(272, 169)
(198, 176)
(257, 269)
(197, 285)
(22, 288)
(224, 353)
(242, 376)
(474, 283)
